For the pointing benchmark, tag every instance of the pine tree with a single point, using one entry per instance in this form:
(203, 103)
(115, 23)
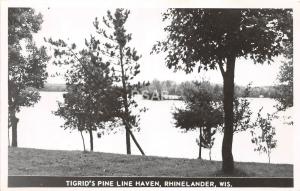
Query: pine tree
(202, 112)
(125, 65)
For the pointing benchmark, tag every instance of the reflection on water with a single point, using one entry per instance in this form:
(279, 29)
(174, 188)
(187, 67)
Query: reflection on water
(39, 128)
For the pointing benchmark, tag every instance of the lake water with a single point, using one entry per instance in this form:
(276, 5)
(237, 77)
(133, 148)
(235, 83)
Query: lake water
(39, 128)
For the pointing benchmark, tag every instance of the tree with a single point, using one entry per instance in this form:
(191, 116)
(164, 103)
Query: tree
(202, 112)
(91, 102)
(263, 134)
(125, 64)
(26, 63)
(211, 38)
(206, 140)
(285, 77)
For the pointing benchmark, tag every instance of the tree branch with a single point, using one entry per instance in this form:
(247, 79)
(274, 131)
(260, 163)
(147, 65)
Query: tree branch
(84, 67)
(221, 68)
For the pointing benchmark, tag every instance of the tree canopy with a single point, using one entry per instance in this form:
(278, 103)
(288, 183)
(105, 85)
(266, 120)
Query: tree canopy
(204, 38)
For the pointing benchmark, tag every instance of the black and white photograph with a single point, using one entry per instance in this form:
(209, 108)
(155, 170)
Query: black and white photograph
(120, 96)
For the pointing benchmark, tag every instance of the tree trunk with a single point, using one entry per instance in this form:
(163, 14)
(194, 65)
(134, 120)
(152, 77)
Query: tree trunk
(91, 139)
(228, 91)
(125, 102)
(128, 145)
(135, 141)
(133, 137)
(82, 140)
(209, 153)
(200, 140)
(14, 124)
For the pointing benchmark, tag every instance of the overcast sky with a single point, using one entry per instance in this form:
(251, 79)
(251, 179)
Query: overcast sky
(146, 27)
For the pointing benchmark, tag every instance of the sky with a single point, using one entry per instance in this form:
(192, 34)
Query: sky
(146, 26)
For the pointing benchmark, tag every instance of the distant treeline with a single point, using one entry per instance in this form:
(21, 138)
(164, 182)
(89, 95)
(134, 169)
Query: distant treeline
(172, 88)
(54, 88)
(176, 89)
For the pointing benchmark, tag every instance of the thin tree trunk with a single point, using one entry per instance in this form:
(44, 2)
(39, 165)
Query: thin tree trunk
(125, 102)
(209, 153)
(200, 140)
(128, 144)
(134, 139)
(14, 132)
(136, 143)
(228, 91)
(82, 140)
(91, 140)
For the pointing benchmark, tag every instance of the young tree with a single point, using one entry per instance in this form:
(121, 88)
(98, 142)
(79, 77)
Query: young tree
(91, 102)
(125, 64)
(26, 63)
(263, 134)
(211, 38)
(206, 139)
(202, 111)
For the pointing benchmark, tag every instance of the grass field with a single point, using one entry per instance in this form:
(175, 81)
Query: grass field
(25, 161)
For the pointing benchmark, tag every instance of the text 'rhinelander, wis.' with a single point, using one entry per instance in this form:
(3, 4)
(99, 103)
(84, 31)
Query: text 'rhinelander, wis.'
(141, 183)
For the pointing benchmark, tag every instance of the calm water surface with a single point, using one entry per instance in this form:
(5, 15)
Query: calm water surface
(39, 128)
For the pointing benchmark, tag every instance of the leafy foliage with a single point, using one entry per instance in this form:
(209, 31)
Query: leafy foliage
(208, 36)
(285, 77)
(207, 140)
(241, 112)
(285, 89)
(202, 111)
(26, 62)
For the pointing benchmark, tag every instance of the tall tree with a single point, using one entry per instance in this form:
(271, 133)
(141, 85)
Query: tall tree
(202, 112)
(125, 64)
(211, 38)
(26, 63)
(92, 101)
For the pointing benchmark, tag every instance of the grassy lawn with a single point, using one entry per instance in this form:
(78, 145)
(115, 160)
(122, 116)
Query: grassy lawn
(24, 161)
